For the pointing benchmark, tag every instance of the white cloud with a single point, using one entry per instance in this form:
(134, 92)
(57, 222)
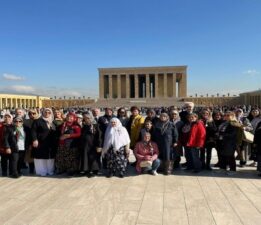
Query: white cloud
(12, 77)
(50, 91)
(251, 72)
(21, 88)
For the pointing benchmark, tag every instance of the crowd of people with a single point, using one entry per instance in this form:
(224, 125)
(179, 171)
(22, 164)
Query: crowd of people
(83, 142)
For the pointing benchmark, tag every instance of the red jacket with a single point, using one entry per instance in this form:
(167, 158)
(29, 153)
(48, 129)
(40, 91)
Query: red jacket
(197, 135)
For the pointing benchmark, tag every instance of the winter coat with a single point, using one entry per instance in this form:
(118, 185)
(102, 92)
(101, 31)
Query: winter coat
(166, 135)
(46, 140)
(197, 135)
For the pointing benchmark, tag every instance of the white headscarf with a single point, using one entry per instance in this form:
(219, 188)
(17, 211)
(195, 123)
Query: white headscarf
(115, 137)
(50, 119)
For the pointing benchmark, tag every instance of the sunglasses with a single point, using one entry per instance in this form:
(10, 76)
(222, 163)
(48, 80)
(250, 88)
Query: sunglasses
(32, 113)
(48, 112)
(18, 121)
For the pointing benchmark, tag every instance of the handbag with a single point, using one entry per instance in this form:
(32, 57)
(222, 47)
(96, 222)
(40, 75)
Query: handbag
(248, 137)
(145, 164)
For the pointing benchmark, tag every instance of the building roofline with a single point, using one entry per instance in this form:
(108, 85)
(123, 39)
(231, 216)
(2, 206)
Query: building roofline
(140, 68)
(17, 94)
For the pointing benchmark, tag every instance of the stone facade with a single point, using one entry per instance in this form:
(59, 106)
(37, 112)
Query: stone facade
(143, 82)
(251, 98)
(21, 101)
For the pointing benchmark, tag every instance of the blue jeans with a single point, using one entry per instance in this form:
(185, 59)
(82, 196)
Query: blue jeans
(154, 167)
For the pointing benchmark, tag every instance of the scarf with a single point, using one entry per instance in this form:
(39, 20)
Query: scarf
(115, 137)
(48, 120)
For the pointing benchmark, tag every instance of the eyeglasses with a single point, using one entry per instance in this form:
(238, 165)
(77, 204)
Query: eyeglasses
(48, 112)
(18, 121)
(32, 113)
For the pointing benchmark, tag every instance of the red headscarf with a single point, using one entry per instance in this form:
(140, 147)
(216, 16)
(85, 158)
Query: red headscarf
(67, 123)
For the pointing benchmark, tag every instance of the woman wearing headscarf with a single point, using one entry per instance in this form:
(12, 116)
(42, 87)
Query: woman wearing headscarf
(90, 146)
(116, 148)
(43, 141)
(167, 137)
(67, 158)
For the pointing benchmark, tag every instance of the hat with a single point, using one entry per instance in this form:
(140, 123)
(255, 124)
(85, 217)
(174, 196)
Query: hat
(239, 110)
(79, 116)
(8, 114)
(18, 118)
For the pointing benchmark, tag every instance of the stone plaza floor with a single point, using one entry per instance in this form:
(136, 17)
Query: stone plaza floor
(183, 198)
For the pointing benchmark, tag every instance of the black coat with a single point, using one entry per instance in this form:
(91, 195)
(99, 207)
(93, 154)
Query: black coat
(46, 138)
(257, 138)
(165, 140)
(9, 138)
(89, 141)
(227, 140)
(211, 131)
(28, 132)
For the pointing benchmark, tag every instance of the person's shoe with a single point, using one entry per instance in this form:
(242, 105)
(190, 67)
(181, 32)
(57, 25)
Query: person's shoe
(184, 164)
(253, 164)
(4, 174)
(134, 164)
(110, 175)
(15, 176)
(220, 171)
(231, 173)
(217, 165)
(154, 173)
(121, 176)
(70, 173)
(208, 168)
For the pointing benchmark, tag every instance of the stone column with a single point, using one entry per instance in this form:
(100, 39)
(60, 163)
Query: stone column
(183, 85)
(101, 84)
(1, 103)
(147, 86)
(156, 85)
(127, 86)
(16, 106)
(5, 102)
(165, 85)
(136, 81)
(118, 86)
(110, 86)
(174, 93)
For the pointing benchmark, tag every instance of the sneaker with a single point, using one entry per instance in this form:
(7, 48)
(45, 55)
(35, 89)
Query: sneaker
(154, 173)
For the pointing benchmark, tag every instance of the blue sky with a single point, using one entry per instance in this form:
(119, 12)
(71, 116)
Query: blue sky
(54, 47)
